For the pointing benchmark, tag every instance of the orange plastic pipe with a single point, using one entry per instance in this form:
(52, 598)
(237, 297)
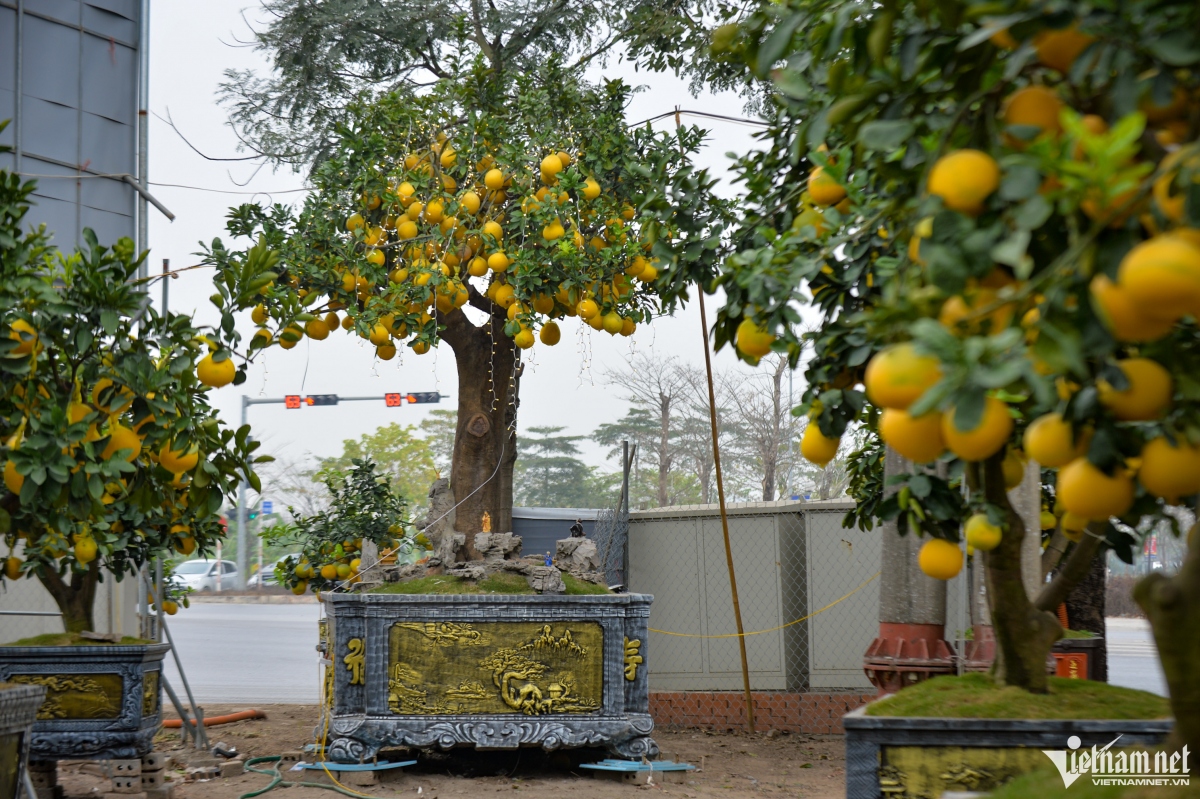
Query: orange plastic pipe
(241, 715)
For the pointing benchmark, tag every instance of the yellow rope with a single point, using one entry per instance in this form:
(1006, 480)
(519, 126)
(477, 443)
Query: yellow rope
(861, 585)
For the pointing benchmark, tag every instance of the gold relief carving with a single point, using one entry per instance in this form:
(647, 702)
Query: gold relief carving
(447, 634)
(149, 693)
(495, 667)
(354, 660)
(77, 696)
(632, 658)
(329, 683)
(915, 772)
(485, 523)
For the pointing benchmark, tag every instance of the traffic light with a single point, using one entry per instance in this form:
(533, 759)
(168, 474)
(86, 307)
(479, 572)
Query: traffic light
(425, 396)
(393, 400)
(321, 399)
(291, 401)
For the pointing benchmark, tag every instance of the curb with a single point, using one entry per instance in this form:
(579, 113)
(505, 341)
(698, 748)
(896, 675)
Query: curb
(265, 599)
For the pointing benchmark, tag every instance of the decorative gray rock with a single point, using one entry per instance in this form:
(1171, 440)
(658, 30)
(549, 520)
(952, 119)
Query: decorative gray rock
(547, 580)
(469, 572)
(495, 547)
(490, 671)
(438, 524)
(577, 555)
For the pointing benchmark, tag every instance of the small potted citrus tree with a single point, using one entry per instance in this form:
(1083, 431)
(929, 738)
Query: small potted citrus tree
(111, 457)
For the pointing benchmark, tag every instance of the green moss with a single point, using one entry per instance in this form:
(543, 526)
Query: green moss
(1078, 634)
(576, 587)
(499, 583)
(446, 584)
(1046, 784)
(505, 583)
(977, 696)
(73, 639)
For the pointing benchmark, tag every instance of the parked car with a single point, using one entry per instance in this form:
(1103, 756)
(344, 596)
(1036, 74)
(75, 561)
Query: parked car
(202, 574)
(266, 575)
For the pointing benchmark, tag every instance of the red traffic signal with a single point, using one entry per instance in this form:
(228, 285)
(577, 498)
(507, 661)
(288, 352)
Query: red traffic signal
(393, 400)
(291, 401)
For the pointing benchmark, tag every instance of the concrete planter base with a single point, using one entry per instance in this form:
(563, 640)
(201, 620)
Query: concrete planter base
(101, 702)
(893, 756)
(491, 671)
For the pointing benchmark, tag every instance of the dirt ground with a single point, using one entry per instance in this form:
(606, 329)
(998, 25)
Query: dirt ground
(728, 764)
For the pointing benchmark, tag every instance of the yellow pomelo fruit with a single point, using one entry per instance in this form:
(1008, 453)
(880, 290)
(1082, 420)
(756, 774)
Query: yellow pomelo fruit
(550, 334)
(1058, 49)
(1014, 469)
(587, 309)
(1033, 106)
(215, 374)
(751, 339)
(985, 439)
(816, 448)
(981, 533)
(1122, 314)
(940, 559)
(964, 179)
(898, 375)
(85, 549)
(1087, 492)
(823, 188)
(613, 323)
(1170, 470)
(1050, 441)
(919, 439)
(13, 480)
(1162, 276)
(524, 338)
(122, 438)
(1146, 398)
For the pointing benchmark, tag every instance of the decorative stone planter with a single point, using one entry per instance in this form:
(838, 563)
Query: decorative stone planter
(18, 709)
(896, 756)
(488, 671)
(102, 702)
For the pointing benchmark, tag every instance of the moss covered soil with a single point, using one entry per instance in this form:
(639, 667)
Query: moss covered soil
(977, 696)
(493, 584)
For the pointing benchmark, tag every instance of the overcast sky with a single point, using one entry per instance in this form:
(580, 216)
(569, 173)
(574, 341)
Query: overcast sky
(191, 44)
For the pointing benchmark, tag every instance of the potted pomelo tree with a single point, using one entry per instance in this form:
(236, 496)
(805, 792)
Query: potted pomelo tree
(112, 457)
(994, 210)
(483, 213)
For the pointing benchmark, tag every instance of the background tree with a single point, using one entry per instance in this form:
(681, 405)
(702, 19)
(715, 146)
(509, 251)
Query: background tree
(549, 473)
(398, 454)
(983, 201)
(765, 431)
(112, 454)
(438, 428)
(326, 56)
(657, 384)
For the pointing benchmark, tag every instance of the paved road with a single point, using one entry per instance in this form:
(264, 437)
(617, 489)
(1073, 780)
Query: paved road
(247, 653)
(265, 653)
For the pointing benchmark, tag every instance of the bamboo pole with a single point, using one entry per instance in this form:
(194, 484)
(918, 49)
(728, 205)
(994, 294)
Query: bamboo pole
(737, 609)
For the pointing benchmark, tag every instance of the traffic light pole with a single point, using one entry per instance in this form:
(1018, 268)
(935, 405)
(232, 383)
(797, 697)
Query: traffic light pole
(243, 533)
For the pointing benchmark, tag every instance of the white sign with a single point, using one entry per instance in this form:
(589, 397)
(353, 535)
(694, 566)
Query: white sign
(1120, 768)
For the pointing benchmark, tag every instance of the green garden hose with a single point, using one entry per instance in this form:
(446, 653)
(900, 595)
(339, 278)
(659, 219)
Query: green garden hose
(277, 779)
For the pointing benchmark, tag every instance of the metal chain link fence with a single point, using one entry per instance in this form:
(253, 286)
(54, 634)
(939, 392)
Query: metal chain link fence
(808, 593)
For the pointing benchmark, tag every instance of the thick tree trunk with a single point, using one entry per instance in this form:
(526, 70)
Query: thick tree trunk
(76, 598)
(1085, 604)
(1023, 633)
(485, 442)
(1172, 604)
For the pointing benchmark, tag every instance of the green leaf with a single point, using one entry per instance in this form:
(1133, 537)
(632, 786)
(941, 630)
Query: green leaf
(1020, 182)
(1178, 48)
(773, 48)
(885, 135)
(968, 410)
